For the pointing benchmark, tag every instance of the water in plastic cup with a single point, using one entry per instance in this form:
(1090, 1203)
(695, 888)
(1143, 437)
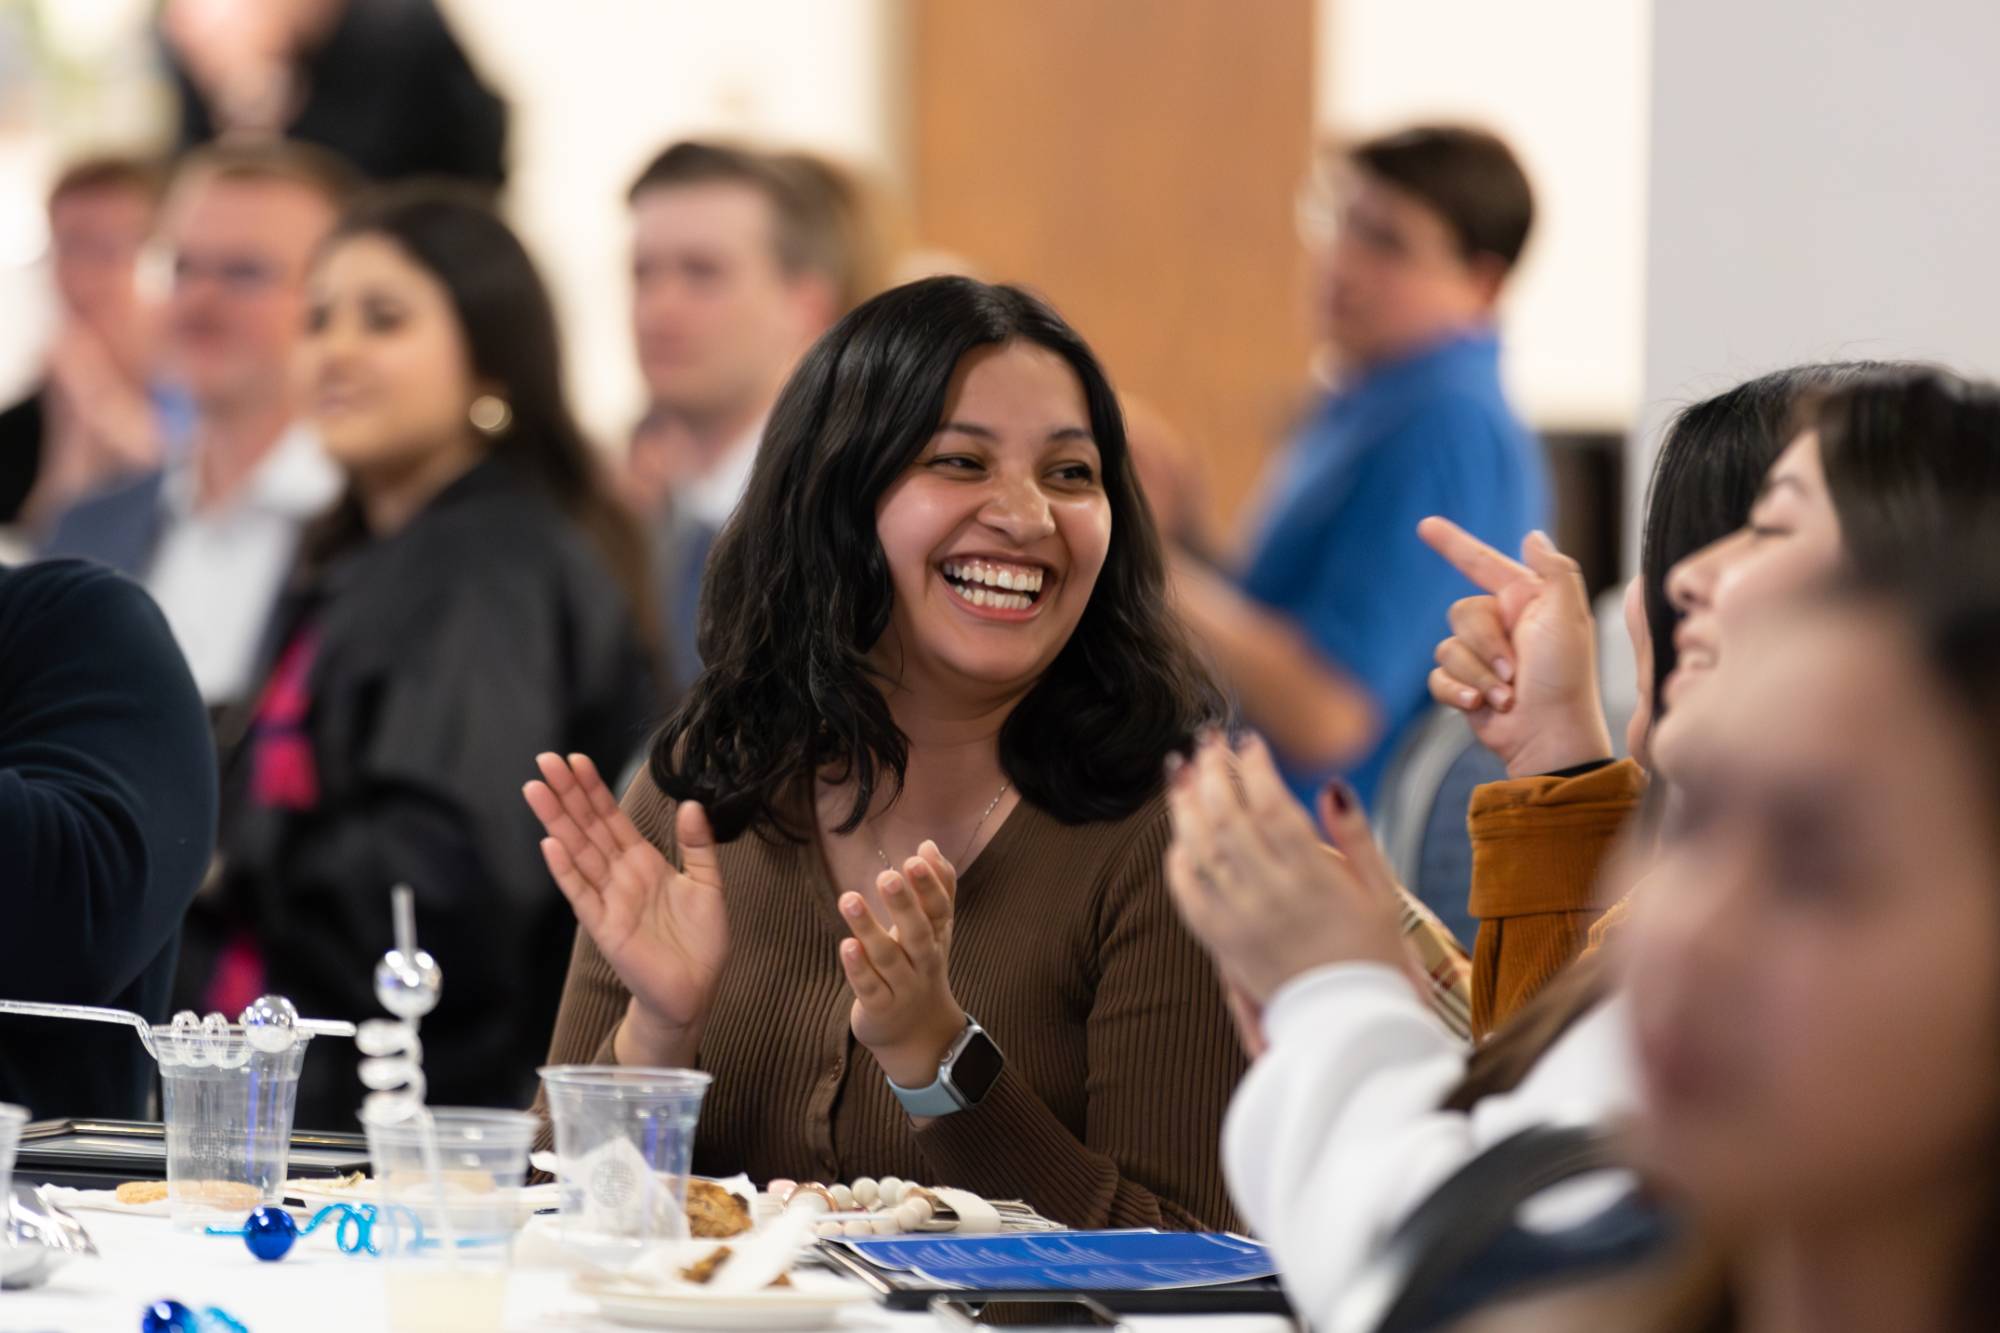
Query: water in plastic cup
(228, 1112)
(626, 1139)
(448, 1203)
(12, 1118)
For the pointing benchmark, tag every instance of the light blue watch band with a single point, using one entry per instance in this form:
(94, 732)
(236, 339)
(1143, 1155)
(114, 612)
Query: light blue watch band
(934, 1099)
(938, 1097)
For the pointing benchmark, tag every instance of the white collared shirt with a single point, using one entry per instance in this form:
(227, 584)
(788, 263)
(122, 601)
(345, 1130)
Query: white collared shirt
(217, 573)
(713, 496)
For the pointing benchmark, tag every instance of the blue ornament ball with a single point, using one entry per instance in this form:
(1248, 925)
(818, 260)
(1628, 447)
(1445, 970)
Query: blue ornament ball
(168, 1317)
(269, 1232)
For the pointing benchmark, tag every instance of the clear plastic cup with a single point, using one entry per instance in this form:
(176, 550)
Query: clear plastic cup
(12, 1118)
(228, 1111)
(626, 1140)
(448, 1203)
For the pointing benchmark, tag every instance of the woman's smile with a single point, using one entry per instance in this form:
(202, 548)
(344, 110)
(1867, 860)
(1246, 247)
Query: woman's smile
(992, 588)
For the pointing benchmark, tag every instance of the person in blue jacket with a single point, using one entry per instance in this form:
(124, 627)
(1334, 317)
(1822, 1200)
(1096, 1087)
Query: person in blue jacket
(1326, 635)
(107, 823)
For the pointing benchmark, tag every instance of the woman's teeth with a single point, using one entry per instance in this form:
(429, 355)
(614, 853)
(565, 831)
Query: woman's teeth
(1002, 587)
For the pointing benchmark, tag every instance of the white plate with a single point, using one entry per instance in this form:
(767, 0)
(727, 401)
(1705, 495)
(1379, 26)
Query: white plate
(772, 1309)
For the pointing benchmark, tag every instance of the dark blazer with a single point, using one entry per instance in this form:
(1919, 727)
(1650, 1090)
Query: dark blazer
(20, 453)
(448, 655)
(107, 818)
(119, 527)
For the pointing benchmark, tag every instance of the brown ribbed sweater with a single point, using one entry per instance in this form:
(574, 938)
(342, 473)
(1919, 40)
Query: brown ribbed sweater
(1120, 1053)
(1537, 846)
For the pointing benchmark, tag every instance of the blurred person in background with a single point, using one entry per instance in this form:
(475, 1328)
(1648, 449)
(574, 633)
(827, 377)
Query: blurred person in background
(107, 815)
(382, 83)
(1326, 636)
(477, 596)
(101, 409)
(212, 532)
(740, 259)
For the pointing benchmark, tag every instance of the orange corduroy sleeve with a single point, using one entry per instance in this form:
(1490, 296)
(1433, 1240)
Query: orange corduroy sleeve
(1537, 847)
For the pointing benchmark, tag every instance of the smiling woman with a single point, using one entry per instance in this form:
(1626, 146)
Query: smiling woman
(942, 683)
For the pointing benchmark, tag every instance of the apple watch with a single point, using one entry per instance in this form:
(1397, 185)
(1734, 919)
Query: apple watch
(967, 1073)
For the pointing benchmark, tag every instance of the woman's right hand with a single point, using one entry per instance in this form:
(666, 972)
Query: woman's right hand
(1521, 662)
(664, 931)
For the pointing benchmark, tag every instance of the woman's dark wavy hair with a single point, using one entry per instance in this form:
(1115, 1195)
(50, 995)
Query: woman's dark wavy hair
(1711, 463)
(509, 325)
(797, 591)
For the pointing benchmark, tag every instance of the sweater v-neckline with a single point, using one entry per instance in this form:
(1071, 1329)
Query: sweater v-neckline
(999, 846)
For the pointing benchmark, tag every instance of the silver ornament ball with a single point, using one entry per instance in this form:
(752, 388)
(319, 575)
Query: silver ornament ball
(270, 1022)
(408, 985)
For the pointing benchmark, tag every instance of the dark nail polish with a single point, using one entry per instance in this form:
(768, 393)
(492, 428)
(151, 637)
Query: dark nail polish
(1343, 795)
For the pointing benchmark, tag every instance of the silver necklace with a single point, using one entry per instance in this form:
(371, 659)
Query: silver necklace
(959, 864)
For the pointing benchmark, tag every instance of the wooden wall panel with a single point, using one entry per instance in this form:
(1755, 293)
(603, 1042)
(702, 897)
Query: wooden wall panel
(1136, 162)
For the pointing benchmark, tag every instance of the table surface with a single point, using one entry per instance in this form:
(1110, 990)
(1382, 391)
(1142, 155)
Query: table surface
(316, 1288)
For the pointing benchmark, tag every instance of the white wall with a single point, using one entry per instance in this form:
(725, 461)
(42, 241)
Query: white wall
(1822, 185)
(599, 86)
(1565, 82)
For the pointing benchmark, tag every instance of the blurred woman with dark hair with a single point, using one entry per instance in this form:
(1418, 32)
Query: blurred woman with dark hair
(475, 597)
(1539, 835)
(1361, 1097)
(919, 781)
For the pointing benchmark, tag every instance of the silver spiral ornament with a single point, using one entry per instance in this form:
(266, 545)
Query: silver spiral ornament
(408, 983)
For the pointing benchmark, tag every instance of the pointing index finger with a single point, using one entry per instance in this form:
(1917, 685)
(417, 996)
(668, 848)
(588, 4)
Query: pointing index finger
(1471, 557)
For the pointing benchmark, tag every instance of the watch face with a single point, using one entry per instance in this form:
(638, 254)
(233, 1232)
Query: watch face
(977, 1068)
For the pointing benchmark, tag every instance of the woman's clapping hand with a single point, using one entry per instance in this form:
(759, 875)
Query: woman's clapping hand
(664, 931)
(1260, 890)
(904, 1012)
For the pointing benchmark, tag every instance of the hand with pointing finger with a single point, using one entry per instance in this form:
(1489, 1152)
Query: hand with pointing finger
(1521, 660)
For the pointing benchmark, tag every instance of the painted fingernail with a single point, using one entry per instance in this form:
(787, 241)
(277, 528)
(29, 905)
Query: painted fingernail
(1343, 796)
(1503, 668)
(1500, 696)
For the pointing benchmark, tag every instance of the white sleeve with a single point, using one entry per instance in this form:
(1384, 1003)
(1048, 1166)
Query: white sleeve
(1335, 1134)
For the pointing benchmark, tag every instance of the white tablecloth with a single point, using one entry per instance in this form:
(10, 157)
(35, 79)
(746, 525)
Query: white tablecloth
(317, 1289)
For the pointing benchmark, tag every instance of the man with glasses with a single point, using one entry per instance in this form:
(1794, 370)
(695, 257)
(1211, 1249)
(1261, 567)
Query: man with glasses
(1327, 636)
(212, 533)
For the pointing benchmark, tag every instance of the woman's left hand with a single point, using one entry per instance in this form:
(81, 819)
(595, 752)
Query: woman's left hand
(904, 1012)
(1259, 889)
